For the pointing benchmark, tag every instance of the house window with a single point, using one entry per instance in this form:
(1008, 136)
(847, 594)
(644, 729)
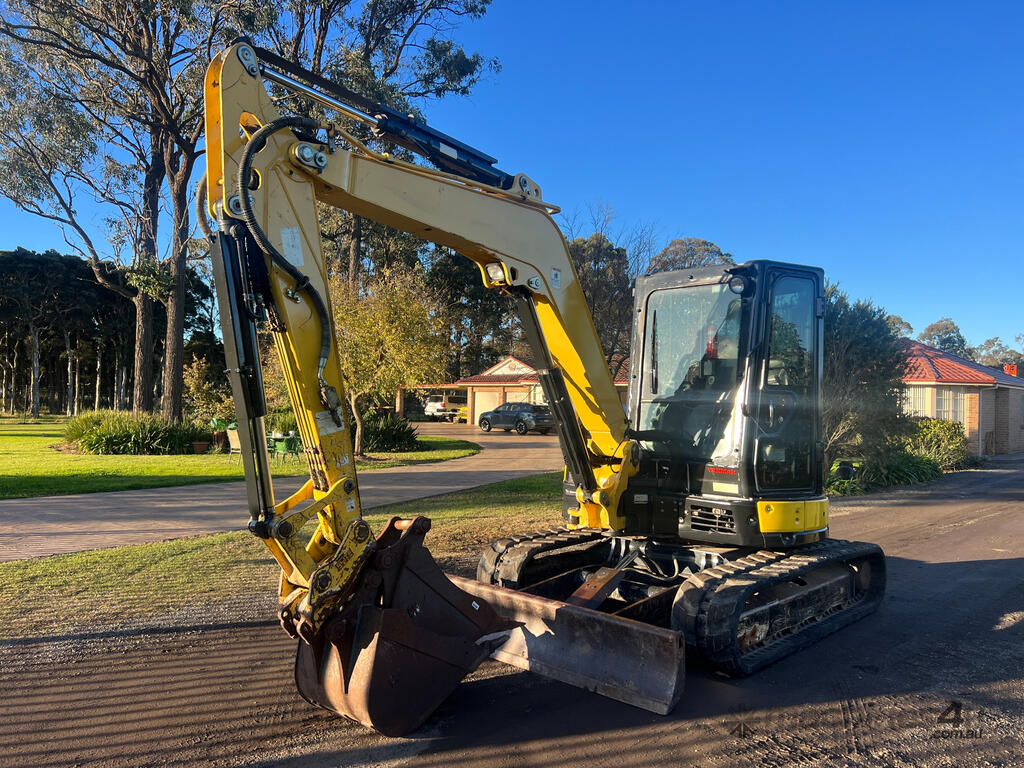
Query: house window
(916, 401)
(949, 404)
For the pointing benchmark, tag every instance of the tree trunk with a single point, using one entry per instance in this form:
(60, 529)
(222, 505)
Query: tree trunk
(14, 379)
(174, 345)
(122, 388)
(146, 257)
(158, 383)
(78, 380)
(355, 244)
(69, 406)
(178, 162)
(115, 384)
(142, 396)
(3, 380)
(174, 348)
(99, 374)
(357, 417)
(34, 334)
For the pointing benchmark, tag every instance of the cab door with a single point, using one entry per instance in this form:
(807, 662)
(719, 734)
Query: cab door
(787, 418)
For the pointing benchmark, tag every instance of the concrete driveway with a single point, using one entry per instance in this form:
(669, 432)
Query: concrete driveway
(55, 524)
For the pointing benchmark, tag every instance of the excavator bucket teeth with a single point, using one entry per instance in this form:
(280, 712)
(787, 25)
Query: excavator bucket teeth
(402, 643)
(626, 660)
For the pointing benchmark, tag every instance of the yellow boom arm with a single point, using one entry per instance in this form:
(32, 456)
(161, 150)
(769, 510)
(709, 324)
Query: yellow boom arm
(510, 234)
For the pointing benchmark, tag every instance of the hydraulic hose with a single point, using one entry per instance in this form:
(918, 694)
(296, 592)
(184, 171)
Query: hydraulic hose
(201, 219)
(257, 142)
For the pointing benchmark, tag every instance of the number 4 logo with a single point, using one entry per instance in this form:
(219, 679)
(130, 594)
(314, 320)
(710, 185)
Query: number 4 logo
(953, 714)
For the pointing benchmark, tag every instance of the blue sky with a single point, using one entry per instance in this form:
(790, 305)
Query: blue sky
(879, 140)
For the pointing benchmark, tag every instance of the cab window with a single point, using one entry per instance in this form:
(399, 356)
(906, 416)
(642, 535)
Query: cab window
(786, 414)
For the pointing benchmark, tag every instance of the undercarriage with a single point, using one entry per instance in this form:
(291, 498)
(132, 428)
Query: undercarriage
(738, 609)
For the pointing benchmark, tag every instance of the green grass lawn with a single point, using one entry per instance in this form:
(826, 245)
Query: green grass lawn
(62, 593)
(31, 465)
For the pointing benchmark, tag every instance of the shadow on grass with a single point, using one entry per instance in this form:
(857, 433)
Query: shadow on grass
(65, 484)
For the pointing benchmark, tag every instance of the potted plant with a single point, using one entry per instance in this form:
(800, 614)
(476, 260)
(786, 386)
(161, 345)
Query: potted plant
(220, 434)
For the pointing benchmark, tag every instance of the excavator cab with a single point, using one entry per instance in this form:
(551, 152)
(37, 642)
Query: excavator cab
(725, 397)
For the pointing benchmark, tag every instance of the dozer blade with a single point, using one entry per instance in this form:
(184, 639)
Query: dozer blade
(626, 660)
(403, 641)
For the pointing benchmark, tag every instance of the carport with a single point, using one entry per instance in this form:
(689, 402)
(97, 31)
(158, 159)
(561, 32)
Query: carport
(510, 380)
(514, 379)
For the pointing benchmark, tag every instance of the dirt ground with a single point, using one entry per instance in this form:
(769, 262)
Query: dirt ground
(935, 678)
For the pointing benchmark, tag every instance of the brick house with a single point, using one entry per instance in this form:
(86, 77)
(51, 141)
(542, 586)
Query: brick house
(515, 380)
(988, 402)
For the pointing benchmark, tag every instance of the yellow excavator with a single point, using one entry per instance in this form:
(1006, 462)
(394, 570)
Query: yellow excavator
(695, 517)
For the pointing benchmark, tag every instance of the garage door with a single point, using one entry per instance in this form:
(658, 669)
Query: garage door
(483, 402)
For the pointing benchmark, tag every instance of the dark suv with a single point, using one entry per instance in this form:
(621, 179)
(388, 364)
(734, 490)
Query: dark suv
(522, 417)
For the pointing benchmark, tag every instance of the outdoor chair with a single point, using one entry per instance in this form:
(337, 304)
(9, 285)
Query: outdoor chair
(234, 444)
(283, 447)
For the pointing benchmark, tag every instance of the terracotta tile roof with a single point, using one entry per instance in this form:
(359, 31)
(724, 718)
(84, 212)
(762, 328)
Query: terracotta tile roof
(521, 360)
(927, 364)
(623, 375)
(527, 377)
(498, 378)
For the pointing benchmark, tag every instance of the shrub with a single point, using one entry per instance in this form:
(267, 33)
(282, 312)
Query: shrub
(864, 366)
(942, 441)
(118, 432)
(897, 468)
(206, 396)
(837, 486)
(388, 432)
(77, 426)
(281, 420)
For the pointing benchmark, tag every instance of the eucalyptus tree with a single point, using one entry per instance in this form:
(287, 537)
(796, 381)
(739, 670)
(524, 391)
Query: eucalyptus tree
(687, 253)
(946, 335)
(112, 89)
(34, 290)
(396, 52)
(130, 74)
(69, 159)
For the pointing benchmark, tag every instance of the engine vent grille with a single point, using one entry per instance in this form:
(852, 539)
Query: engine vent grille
(712, 520)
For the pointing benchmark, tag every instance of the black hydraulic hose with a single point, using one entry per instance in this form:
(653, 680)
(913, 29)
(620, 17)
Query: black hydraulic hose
(201, 219)
(255, 144)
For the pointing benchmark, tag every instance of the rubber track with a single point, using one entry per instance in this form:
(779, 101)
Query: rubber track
(717, 596)
(503, 562)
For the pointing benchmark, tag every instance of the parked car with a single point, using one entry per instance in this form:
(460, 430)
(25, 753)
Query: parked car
(522, 417)
(444, 406)
(462, 415)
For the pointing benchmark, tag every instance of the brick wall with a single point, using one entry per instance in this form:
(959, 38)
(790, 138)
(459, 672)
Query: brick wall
(988, 421)
(1014, 423)
(1002, 415)
(974, 439)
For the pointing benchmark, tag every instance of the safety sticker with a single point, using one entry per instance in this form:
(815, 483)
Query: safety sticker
(291, 245)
